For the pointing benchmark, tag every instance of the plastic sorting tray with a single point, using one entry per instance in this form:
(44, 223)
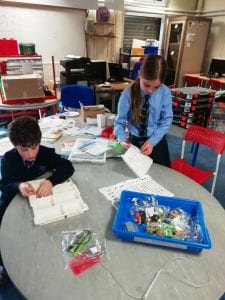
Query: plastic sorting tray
(57, 206)
(190, 93)
(192, 207)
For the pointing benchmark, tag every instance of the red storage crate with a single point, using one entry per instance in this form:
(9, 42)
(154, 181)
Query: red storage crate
(8, 47)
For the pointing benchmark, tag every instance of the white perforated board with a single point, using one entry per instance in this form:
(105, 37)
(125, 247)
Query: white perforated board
(144, 184)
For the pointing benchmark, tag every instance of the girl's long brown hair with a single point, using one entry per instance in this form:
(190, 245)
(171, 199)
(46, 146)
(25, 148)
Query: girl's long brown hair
(154, 67)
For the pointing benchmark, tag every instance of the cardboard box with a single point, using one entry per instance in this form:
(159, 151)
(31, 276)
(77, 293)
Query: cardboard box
(92, 111)
(22, 88)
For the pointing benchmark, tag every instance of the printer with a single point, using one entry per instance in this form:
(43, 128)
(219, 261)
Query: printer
(76, 69)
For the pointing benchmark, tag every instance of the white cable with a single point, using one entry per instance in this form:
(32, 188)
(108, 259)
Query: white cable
(119, 284)
(177, 278)
(161, 270)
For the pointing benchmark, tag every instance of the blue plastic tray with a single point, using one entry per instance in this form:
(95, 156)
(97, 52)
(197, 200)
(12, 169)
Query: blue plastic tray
(150, 50)
(192, 207)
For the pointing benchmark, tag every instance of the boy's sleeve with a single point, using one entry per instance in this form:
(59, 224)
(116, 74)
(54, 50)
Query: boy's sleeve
(62, 168)
(9, 185)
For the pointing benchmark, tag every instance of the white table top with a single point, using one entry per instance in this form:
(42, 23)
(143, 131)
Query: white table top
(28, 106)
(34, 259)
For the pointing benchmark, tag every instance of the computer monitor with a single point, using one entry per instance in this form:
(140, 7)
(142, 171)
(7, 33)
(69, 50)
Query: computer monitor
(217, 66)
(116, 72)
(97, 71)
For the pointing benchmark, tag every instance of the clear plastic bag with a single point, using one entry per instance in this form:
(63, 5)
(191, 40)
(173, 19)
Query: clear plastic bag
(163, 221)
(82, 248)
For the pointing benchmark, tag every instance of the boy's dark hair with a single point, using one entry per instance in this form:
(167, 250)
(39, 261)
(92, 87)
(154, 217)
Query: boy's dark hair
(24, 131)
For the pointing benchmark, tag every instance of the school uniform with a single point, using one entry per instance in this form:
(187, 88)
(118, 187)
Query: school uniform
(159, 120)
(15, 170)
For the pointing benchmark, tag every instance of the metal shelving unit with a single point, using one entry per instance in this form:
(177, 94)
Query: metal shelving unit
(15, 65)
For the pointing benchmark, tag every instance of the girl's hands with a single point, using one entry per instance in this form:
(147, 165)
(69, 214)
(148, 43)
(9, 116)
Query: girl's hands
(125, 145)
(146, 148)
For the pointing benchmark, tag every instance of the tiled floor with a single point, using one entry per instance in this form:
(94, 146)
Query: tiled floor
(177, 131)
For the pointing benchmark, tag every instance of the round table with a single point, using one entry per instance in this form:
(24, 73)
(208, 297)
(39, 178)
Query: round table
(21, 109)
(34, 258)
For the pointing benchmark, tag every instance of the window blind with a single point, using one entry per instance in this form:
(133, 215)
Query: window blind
(162, 3)
(140, 27)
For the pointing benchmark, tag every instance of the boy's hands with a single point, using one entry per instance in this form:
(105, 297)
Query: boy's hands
(45, 189)
(26, 189)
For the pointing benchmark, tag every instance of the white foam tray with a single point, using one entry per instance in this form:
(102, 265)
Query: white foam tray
(65, 202)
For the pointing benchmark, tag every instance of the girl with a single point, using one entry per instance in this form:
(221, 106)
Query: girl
(145, 107)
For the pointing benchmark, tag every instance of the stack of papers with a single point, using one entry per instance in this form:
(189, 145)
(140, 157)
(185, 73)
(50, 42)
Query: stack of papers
(52, 127)
(89, 150)
(93, 130)
(67, 148)
(65, 201)
(51, 135)
(71, 114)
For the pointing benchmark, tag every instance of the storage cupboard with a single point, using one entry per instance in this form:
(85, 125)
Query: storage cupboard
(185, 45)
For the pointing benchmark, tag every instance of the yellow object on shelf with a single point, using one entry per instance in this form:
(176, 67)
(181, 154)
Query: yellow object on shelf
(137, 51)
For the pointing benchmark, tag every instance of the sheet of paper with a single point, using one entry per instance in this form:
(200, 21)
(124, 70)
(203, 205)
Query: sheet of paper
(51, 122)
(98, 148)
(94, 130)
(51, 135)
(5, 145)
(136, 161)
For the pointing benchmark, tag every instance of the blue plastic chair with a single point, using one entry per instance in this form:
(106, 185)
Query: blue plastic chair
(72, 95)
(135, 70)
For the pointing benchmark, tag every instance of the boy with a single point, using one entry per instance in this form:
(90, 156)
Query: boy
(27, 161)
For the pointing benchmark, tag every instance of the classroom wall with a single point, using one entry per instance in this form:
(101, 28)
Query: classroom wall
(216, 45)
(215, 5)
(81, 4)
(60, 31)
(54, 31)
(183, 4)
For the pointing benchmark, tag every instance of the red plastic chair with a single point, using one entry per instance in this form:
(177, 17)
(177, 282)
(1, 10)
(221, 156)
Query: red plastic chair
(192, 81)
(207, 137)
(215, 84)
